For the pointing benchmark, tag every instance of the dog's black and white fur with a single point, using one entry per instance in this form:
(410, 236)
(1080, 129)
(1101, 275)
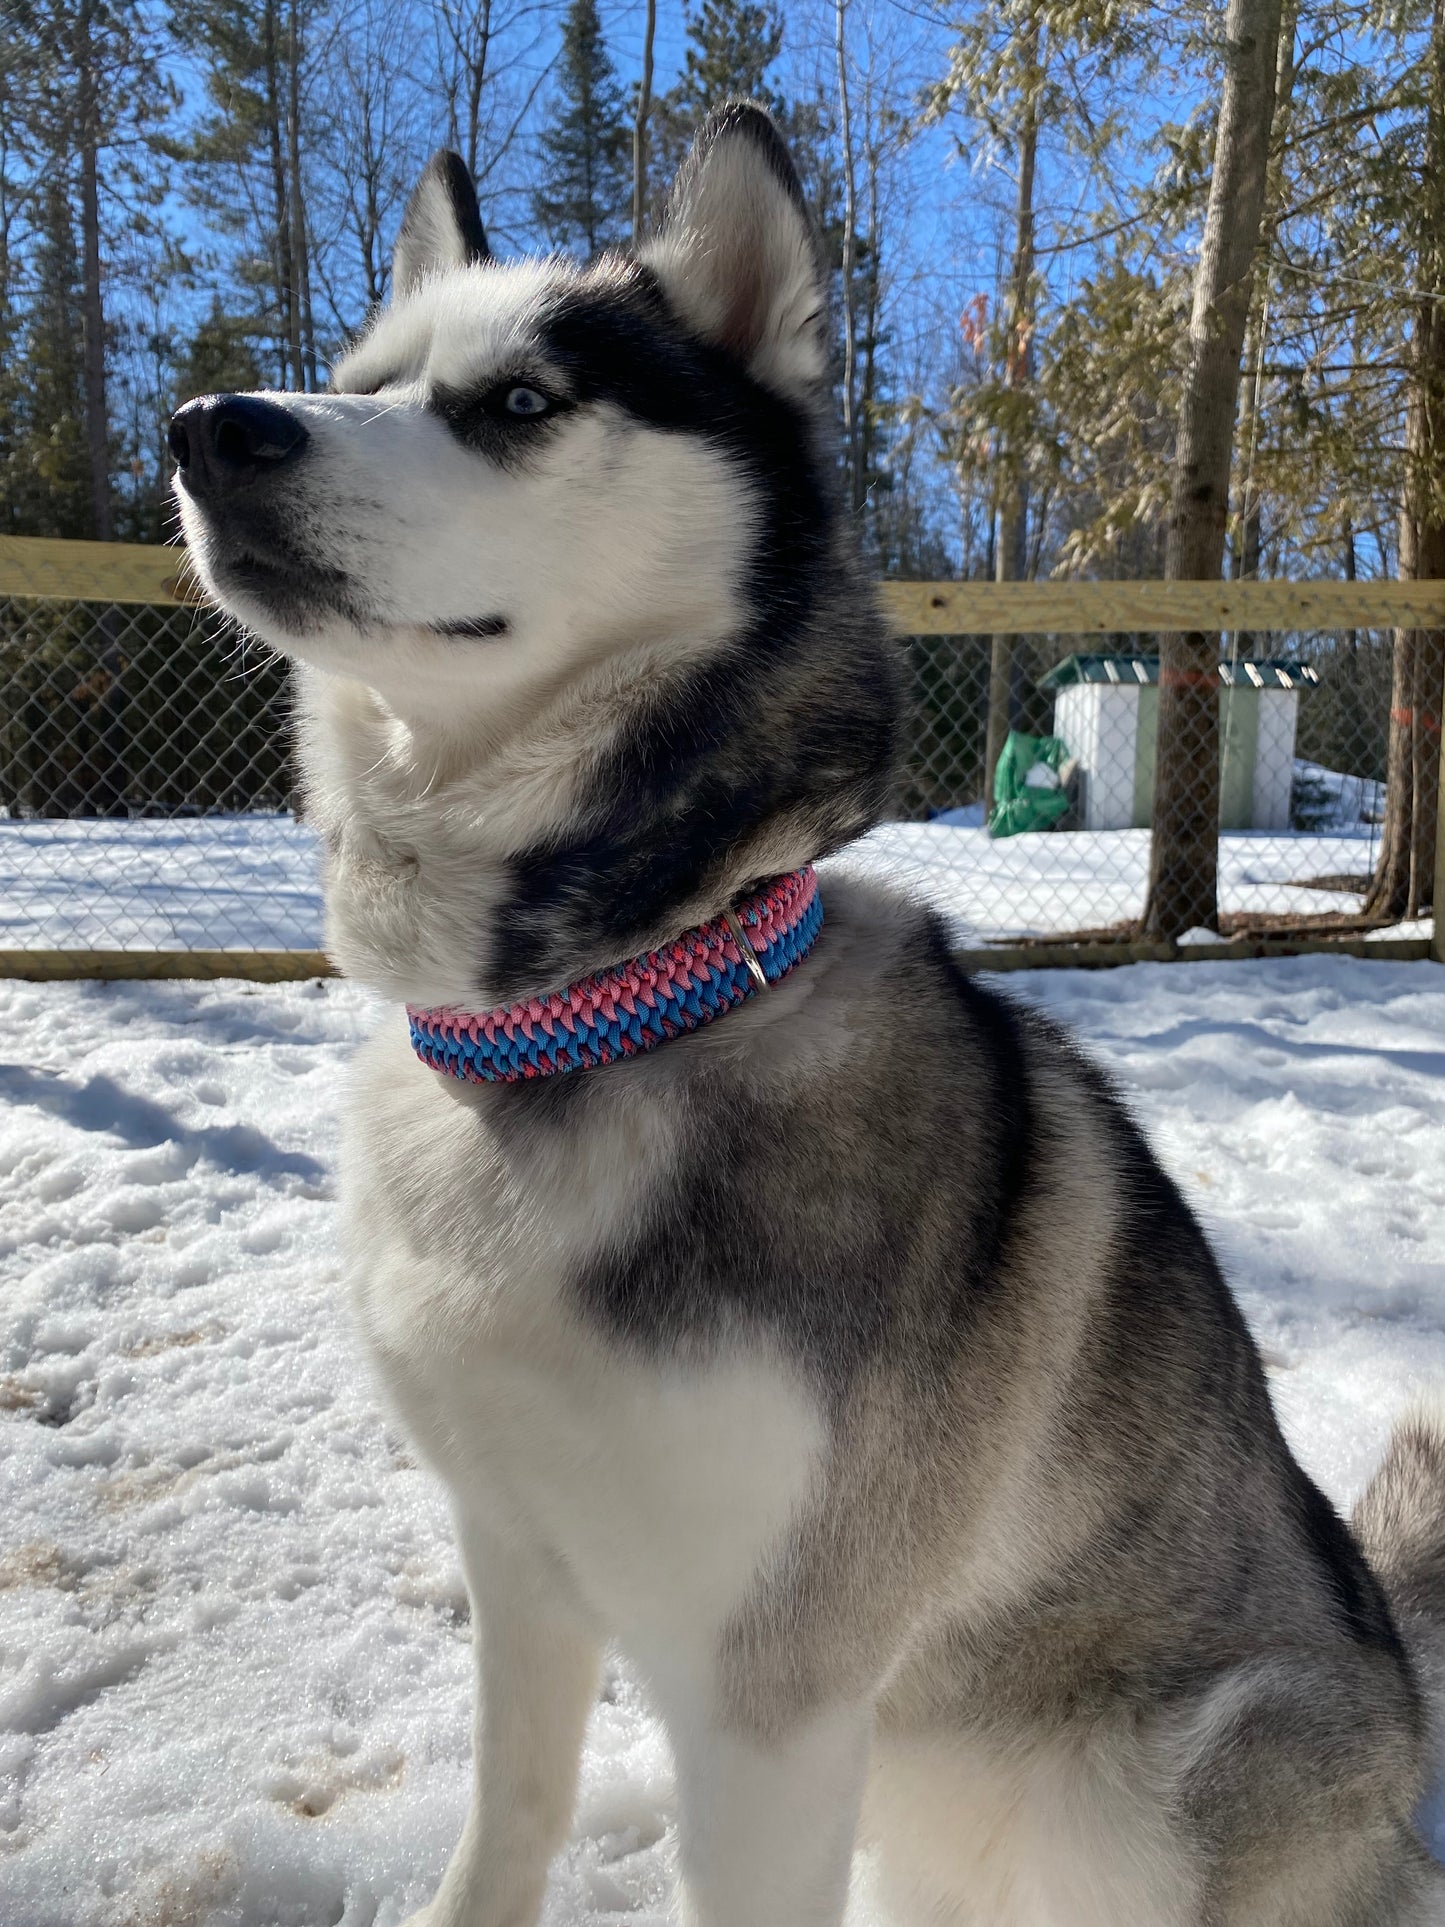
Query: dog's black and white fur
(851, 1362)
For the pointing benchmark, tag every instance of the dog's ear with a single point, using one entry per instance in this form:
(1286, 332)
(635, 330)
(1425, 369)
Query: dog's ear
(442, 227)
(736, 253)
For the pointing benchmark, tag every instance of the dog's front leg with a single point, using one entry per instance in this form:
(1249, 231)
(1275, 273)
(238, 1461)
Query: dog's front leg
(767, 1824)
(537, 1665)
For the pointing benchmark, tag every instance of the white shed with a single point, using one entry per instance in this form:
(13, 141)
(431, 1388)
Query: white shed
(1106, 709)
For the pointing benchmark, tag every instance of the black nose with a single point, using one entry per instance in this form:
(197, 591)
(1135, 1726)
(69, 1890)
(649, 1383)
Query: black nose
(224, 442)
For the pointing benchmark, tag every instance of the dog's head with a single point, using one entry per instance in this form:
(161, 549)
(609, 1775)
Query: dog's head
(587, 650)
(522, 467)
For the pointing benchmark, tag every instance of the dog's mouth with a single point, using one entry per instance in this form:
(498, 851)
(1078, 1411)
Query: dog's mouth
(253, 564)
(292, 590)
(297, 593)
(264, 577)
(478, 626)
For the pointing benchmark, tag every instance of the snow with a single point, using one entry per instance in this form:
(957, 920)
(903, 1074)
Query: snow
(1045, 883)
(220, 882)
(159, 883)
(233, 1651)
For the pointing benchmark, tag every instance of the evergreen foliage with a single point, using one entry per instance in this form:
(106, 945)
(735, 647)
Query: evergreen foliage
(235, 164)
(731, 50)
(248, 160)
(45, 482)
(219, 357)
(82, 102)
(585, 194)
(729, 54)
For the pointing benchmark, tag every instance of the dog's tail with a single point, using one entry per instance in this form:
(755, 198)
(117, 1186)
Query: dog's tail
(1400, 1522)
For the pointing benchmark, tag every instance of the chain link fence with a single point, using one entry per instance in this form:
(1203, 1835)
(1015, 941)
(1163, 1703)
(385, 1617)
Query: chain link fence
(146, 783)
(1301, 729)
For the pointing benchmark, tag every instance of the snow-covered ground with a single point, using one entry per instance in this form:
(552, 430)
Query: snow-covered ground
(1042, 884)
(233, 1662)
(219, 882)
(159, 883)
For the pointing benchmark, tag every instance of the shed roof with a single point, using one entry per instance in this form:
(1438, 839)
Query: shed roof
(1269, 673)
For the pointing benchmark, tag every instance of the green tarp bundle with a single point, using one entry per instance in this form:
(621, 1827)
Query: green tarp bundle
(1018, 803)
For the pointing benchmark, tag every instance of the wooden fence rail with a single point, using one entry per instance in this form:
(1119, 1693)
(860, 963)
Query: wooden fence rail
(130, 573)
(114, 572)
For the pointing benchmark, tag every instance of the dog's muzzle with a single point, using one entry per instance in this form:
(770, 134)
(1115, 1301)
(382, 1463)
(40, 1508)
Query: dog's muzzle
(222, 443)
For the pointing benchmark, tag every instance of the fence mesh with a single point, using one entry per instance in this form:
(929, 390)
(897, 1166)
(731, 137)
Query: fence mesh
(146, 784)
(1300, 742)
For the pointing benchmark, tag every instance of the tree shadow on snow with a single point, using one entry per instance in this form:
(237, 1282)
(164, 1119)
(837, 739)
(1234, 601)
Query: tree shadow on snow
(100, 1104)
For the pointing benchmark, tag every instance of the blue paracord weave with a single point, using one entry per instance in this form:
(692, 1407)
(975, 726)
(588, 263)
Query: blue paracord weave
(609, 1016)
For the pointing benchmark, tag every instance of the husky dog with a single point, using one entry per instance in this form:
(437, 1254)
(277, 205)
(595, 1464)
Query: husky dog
(849, 1361)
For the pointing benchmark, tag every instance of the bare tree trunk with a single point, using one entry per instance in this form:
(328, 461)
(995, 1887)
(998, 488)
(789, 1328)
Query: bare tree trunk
(369, 219)
(1248, 544)
(1404, 881)
(1011, 554)
(850, 230)
(100, 775)
(304, 335)
(1245, 555)
(288, 319)
(1403, 885)
(639, 129)
(868, 385)
(1351, 568)
(1184, 849)
(97, 425)
(477, 57)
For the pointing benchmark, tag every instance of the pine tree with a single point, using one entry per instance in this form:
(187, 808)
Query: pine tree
(585, 195)
(1184, 848)
(244, 168)
(83, 97)
(730, 49)
(729, 53)
(220, 357)
(1405, 880)
(641, 114)
(1341, 411)
(46, 482)
(1014, 79)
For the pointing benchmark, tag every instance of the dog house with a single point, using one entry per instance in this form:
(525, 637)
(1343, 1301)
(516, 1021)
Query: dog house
(1106, 708)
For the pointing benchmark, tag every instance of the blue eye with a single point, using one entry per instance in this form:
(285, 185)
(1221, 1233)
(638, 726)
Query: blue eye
(526, 401)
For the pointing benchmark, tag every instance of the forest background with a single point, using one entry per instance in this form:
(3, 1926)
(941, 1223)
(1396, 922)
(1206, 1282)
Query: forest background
(1120, 290)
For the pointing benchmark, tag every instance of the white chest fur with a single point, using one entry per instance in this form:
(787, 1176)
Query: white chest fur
(658, 1486)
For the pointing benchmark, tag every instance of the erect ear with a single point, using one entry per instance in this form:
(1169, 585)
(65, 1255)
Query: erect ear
(736, 254)
(442, 226)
